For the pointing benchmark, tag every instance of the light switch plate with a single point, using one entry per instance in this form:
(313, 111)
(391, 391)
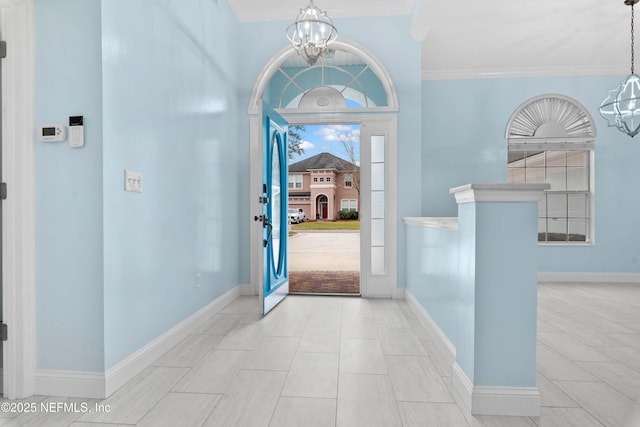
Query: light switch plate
(132, 181)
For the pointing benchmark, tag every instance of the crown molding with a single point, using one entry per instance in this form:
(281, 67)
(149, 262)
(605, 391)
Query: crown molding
(520, 72)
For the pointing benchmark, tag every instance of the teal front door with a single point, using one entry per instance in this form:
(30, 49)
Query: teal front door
(274, 211)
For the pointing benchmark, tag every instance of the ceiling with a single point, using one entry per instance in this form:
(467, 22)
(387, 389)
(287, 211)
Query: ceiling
(491, 38)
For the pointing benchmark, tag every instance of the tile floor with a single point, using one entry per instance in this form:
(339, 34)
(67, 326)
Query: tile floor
(341, 361)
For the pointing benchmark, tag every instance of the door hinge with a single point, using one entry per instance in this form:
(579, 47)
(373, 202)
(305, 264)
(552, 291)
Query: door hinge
(3, 190)
(3, 331)
(263, 200)
(3, 49)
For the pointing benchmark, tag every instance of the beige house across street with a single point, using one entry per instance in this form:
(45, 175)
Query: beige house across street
(323, 185)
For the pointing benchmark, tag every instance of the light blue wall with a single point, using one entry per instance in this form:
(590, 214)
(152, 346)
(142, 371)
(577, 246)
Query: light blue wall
(479, 285)
(506, 292)
(170, 112)
(389, 39)
(69, 215)
(464, 124)
(157, 82)
(433, 263)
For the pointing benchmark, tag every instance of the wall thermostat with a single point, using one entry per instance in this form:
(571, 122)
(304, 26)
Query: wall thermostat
(53, 133)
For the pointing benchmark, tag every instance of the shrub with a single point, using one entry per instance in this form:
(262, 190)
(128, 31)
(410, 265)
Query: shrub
(352, 215)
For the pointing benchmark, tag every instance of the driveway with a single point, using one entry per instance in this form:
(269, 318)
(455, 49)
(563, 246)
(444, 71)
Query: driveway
(325, 251)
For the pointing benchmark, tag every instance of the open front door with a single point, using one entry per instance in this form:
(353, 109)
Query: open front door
(274, 210)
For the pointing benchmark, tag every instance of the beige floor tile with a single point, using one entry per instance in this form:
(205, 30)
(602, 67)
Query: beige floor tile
(313, 375)
(400, 342)
(415, 414)
(273, 354)
(189, 351)
(628, 355)
(302, 411)
(492, 421)
(181, 409)
(626, 340)
(566, 417)
(390, 319)
(356, 308)
(556, 367)
(416, 379)
(243, 304)
(606, 404)
(362, 357)
(367, 401)
(546, 327)
(586, 334)
(552, 396)
(359, 328)
(443, 365)
(134, 400)
(288, 326)
(617, 375)
(244, 336)
(571, 348)
(421, 332)
(214, 373)
(249, 401)
(319, 344)
(384, 304)
(82, 424)
(220, 324)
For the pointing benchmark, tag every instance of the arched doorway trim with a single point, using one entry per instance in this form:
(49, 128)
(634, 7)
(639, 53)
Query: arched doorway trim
(322, 206)
(271, 67)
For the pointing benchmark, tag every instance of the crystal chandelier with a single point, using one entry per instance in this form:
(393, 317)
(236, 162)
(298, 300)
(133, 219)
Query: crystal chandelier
(312, 31)
(622, 106)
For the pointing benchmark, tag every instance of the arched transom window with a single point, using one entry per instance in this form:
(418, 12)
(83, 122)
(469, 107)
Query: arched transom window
(339, 80)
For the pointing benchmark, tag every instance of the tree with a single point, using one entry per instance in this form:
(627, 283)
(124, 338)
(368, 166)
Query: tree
(294, 138)
(349, 146)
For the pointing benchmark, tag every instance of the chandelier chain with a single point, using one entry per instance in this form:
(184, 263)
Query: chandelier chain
(632, 39)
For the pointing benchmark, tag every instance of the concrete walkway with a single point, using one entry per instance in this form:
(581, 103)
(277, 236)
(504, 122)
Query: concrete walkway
(324, 251)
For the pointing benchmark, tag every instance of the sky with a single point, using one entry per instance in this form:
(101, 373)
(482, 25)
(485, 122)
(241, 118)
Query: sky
(327, 139)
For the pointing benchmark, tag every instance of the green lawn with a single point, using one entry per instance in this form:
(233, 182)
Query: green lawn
(327, 225)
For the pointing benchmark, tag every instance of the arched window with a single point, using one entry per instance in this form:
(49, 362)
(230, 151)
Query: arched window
(551, 140)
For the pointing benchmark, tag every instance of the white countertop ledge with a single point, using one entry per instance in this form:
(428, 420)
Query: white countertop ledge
(442, 223)
(499, 192)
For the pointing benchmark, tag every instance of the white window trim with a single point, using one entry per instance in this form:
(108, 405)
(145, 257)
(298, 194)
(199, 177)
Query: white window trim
(348, 200)
(582, 141)
(350, 181)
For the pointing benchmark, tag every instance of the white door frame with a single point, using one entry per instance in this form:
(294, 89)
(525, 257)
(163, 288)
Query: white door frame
(18, 213)
(378, 121)
(374, 286)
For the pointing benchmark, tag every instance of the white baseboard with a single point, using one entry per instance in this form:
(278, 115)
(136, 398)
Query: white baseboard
(443, 343)
(120, 374)
(90, 385)
(99, 385)
(508, 401)
(590, 277)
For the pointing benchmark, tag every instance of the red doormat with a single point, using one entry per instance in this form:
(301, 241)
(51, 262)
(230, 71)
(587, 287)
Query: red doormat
(324, 282)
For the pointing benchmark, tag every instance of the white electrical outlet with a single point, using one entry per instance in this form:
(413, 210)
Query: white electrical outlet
(132, 181)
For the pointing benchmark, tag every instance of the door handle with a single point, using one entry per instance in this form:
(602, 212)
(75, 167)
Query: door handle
(266, 223)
